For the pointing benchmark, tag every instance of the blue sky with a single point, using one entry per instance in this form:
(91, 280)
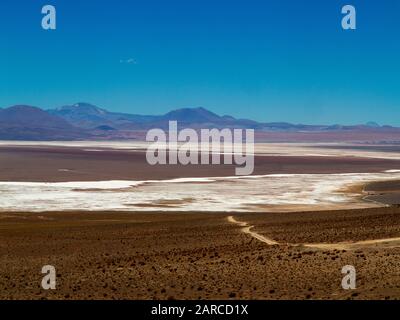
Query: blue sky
(285, 60)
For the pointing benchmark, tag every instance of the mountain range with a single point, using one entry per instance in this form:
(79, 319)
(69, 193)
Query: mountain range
(87, 116)
(86, 121)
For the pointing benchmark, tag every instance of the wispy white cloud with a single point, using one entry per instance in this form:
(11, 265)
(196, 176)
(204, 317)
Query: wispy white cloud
(128, 61)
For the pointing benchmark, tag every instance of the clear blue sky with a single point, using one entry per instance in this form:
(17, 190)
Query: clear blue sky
(285, 60)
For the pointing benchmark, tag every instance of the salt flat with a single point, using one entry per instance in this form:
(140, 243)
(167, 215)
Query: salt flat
(57, 176)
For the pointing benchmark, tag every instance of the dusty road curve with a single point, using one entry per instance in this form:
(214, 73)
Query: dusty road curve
(347, 245)
(247, 229)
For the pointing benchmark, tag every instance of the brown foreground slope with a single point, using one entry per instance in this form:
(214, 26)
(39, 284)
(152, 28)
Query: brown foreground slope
(102, 255)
